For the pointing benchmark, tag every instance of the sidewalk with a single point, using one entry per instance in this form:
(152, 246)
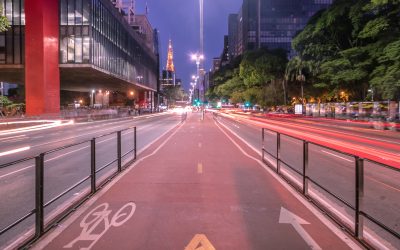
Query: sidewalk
(195, 189)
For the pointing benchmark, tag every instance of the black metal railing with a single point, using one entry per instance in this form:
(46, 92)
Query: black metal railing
(275, 158)
(40, 225)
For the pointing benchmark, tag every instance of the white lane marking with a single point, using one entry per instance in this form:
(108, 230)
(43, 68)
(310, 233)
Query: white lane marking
(14, 140)
(11, 137)
(13, 151)
(379, 242)
(51, 236)
(72, 137)
(335, 131)
(124, 119)
(287, 217)
(31, 166)
(366, 149)
(97, 131)
(99, 216)
(54, 124)
(337, 156)
(313, 210)
(15, 172)
(60, 156)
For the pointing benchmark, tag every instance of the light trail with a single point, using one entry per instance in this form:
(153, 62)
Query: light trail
(13, 151)
(302, 132)
(49, 124)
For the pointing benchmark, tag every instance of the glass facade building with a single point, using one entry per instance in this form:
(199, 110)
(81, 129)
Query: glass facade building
(273, 24)
(93, 33)
(12, 41)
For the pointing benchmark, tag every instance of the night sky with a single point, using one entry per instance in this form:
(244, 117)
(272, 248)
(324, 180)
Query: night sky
(179, 20)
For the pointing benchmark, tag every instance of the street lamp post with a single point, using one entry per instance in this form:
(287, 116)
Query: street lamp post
(301, 78)
(197, 58)
(1, 103)
(372, 94)
(91, 98)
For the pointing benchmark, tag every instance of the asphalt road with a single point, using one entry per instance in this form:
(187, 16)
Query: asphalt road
(333, 170)
(66, 167)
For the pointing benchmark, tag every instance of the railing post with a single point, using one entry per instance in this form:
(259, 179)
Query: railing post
(278, 151)
(39, 209)
(119, 151)
(93, 165)
(305, 167)
(359, 223)
(263, 147)
(134, 142)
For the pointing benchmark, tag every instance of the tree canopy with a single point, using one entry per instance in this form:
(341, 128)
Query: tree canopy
(355, 46)
(4, 25)
(248, 78)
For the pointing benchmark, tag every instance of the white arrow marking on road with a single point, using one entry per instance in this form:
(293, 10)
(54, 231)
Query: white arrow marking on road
(287, 217)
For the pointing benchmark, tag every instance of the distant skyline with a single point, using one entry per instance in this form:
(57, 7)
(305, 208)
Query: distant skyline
(179, 20)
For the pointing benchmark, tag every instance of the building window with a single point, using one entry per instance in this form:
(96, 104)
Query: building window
(86, 12)
(78, 12)
(71, 48)
(71, 13)
(78, 49)
(86, 50)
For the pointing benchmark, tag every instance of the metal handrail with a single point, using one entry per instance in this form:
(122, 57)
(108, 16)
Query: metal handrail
(16, 162)
(38, 211)
(65, 192)
(65, 147)
(106, 166)
(359, 185)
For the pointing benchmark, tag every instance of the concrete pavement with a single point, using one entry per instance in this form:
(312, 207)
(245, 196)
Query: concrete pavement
(197, 188)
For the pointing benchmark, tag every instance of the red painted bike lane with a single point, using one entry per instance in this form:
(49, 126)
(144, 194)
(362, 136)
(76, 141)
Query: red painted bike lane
(196, 188)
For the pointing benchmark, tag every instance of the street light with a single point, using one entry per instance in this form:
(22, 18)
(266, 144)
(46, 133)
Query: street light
(92, 97)
(372, 94)
(197, 57)
(2, 96)
(301, 78)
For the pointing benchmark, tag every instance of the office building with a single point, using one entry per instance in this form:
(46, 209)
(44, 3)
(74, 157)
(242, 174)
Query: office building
(270, 23)
(92, 47)
(232, 34)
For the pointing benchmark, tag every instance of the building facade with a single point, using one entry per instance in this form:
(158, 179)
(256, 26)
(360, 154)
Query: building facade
(97, 48)
(232, 34)
(271, 24)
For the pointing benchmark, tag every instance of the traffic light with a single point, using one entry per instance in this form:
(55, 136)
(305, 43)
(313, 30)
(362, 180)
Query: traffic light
(197, 102)
(247, 104)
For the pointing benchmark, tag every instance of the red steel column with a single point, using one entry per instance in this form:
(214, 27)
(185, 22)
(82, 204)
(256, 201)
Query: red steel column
(42, 73)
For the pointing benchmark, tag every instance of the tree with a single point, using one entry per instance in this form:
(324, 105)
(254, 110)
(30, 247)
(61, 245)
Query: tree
(4, 25)
(4, 101)
(173, 94)
(298, 71)
(353, 46)
(263, 69)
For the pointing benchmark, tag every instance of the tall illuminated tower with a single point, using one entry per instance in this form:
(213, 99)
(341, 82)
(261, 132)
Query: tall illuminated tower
(168, 74)
(170, 58)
